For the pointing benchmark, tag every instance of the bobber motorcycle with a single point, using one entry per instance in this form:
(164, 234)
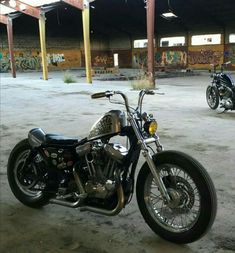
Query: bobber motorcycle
(175, 194)
(221, 92)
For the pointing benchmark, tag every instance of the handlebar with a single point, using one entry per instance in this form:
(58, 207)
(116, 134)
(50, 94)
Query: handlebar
(221, 66)
(101, 95)
(108, 94)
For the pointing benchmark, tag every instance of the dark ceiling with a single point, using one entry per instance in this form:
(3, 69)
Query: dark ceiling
(110, 17)
(130, 15)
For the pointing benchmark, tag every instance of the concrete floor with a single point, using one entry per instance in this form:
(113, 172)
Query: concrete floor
(185, 123)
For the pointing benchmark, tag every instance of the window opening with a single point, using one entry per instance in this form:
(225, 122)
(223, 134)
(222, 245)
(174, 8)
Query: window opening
(115, 59)
(206, 39)
(172, 41)
(231, 38)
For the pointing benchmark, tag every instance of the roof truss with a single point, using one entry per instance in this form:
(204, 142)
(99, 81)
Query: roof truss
(22, 7)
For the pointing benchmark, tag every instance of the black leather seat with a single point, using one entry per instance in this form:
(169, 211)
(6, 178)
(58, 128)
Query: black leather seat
(57, 139)
(37, 137)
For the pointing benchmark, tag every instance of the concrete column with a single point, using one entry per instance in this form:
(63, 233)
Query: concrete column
(86, 37)
(42, 31)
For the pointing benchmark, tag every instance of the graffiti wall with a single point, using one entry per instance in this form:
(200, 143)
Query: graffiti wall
(139, 58)
(99, 59)
(124, 57)
(173, 58)
(203, 56)
(31, 59)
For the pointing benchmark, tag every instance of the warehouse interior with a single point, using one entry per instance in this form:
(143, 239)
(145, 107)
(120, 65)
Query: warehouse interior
(114, 45)
(115, 30)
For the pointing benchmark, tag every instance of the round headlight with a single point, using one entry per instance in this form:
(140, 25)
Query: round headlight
(150, 127)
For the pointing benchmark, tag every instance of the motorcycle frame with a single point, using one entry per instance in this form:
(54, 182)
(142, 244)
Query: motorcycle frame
(138, 144)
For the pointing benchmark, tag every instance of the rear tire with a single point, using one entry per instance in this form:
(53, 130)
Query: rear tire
(21, 182)
(193, 209)
(212, 97)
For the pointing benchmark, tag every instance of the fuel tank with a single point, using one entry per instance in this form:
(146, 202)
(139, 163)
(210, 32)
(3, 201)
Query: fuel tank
(109, 124)
(227, 80)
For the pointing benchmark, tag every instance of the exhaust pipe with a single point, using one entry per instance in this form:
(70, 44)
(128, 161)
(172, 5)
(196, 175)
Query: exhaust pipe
(115, 211)
(66, 203)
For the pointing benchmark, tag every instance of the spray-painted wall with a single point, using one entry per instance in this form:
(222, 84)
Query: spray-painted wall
(164, 57)
(68, 54)
(31, 59)
(200, 57)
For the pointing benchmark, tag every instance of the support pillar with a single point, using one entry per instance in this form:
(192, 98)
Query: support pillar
(10, 45)
(150, 36)
(86, 36)
(42, 32)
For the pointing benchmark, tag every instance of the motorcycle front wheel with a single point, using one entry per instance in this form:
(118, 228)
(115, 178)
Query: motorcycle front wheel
(192, 209)
(212, 97)
(23, 176)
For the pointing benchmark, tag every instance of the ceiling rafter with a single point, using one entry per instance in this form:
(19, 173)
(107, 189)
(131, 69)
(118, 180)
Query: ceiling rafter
(23, 7)
(4, 19)
(75, 3)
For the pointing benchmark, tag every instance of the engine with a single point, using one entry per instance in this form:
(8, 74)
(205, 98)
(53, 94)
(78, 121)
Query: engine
(103, 165)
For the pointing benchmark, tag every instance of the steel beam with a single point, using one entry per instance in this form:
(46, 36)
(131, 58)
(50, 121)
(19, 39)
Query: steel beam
(150, 36)
(42, 32)
(3, 19)
(86, 38)
(40, 15)
(10, 44)
(22, 7)
(8, 22)
(75, 3)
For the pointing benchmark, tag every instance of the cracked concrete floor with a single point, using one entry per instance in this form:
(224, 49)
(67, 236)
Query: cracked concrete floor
(185, 123)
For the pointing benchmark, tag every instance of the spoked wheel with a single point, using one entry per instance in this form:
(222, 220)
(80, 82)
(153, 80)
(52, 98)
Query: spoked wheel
(212, 97)
(23, 176)
(192, 208)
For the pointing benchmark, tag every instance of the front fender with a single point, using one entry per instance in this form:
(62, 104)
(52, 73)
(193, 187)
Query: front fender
(172, 156)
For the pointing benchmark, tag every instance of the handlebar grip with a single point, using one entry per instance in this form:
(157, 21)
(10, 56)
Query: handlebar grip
(98, 95)
(149, 92)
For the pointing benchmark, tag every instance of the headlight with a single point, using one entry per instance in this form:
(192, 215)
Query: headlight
(150, 127)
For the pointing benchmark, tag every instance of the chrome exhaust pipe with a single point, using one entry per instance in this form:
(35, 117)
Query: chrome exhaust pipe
(115, 211)
(81, 196)
(65, 203)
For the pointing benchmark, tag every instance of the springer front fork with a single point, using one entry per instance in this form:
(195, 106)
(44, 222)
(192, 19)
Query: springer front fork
(149, 159)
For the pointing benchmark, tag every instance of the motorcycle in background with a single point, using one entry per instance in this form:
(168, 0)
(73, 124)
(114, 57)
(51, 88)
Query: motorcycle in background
(175, 194)
(221, 92)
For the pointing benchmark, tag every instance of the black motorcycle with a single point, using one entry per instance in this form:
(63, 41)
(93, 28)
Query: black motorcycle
(174, 192)
(221, 92)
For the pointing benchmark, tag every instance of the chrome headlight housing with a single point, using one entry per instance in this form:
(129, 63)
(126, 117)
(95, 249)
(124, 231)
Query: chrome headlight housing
(150, 127)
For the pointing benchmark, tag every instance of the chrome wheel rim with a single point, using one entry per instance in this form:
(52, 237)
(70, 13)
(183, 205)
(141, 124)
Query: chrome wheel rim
(183, 211)
(27, 185)
(211, 97)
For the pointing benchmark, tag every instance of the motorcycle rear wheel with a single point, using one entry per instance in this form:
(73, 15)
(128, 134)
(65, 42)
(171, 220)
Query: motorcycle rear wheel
(192, 210)
(212, 97)
(23, 178)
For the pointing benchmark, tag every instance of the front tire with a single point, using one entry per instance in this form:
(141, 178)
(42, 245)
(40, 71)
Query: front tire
(23, 178)
(212, 97)
(193, 207)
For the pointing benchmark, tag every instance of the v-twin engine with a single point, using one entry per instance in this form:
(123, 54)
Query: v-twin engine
(103, 165)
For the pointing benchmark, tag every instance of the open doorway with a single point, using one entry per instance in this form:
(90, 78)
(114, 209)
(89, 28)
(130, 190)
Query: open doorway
(115, 59)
